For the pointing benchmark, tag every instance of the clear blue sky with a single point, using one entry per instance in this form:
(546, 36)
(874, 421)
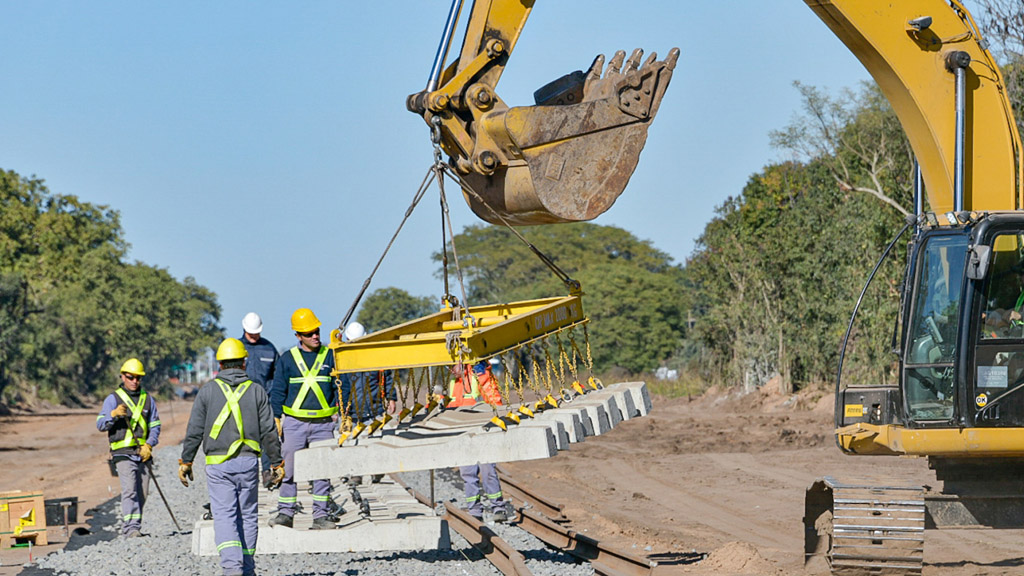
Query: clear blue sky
(264, 147)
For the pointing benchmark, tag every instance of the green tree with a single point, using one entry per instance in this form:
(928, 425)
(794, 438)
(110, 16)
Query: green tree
(72, 310)
(1002, 23)
(386, 307)
(633, 293)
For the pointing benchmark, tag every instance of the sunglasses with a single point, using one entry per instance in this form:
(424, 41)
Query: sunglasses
(130, 376)
(309, 334)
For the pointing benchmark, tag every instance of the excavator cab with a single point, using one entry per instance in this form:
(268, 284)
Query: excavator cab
(566, 158)
(961, 347)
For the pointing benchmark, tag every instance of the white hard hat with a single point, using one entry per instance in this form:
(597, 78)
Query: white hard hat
(353, 330)
(252, 323)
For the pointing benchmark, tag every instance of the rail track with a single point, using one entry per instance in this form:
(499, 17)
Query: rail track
(543, 519)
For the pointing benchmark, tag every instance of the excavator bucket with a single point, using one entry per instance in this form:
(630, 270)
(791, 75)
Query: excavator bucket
(565, 159)
(573, 153)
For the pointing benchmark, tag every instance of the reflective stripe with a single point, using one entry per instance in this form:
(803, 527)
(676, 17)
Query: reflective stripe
(248, 551)
(133, 516)
(100, 417)
(324, 498)
(458, 393)
(136, 420)
(231, 408)
(310, 380)
(228, 544)
(287, 499)
(472, 498)
(154, 423)
(494, 496)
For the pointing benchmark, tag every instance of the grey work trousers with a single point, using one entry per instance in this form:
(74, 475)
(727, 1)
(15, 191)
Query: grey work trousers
(134, 477)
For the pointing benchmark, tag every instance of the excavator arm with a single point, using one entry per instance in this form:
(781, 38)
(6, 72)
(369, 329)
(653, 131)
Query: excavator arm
(913, 50)
(565, 159)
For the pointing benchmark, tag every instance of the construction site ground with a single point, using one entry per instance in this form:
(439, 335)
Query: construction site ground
(723, 475)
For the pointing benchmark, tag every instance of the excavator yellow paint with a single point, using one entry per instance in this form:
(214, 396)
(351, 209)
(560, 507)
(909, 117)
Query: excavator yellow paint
(436, 340)
(890, 439)
(909, 67)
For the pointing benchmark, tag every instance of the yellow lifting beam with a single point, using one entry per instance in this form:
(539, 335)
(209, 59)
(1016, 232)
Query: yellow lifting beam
(437, 340)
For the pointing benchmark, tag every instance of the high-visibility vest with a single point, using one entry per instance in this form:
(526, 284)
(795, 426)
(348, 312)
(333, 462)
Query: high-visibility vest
(231, 407)
(460, 395)
(310, 380)
(136, 420)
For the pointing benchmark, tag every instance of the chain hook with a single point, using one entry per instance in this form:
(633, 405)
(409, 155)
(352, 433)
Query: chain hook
(435, 139)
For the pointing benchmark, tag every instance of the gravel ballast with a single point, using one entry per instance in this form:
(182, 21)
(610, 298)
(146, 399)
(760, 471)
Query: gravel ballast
(166, 551)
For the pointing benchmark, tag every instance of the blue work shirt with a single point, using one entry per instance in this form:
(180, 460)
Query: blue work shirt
(259, 366)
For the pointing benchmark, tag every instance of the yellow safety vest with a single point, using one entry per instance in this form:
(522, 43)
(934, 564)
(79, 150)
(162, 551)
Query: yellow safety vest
(231, 407)
(310, 380)
(136, 419)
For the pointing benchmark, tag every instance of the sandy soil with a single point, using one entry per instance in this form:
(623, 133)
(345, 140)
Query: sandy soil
(62, 454)
(720, 475)
(726, 476)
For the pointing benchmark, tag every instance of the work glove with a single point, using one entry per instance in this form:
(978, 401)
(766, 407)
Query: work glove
(120, 412)
(278, 475)
(185, 472)
(146, 451)
(277, 422)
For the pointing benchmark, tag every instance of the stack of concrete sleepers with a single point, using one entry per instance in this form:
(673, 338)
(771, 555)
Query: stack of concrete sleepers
(464, 437)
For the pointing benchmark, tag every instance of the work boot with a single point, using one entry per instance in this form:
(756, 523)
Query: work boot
(323, 523)
(499, 513)
(281, 520)
(133, 534)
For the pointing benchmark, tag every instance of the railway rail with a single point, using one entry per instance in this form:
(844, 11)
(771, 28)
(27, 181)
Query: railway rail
(533, 517)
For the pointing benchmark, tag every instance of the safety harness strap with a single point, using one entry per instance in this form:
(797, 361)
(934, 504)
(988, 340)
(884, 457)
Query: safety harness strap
(310, 380)
(231, 407)
(136, 420)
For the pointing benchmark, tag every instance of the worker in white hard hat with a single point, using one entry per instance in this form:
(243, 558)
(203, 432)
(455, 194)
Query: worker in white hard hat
(262, 356)
(130, 419)
(365, 396)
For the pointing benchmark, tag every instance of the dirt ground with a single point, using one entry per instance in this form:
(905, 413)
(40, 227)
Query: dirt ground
(720, 475)
(62, 454)
(725, 475)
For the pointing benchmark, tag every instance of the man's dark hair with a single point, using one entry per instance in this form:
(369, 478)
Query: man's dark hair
(237, 363)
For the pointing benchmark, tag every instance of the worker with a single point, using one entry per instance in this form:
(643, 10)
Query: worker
(231, 418)
(304, 400)
(481, 485)
(130, 419)
(365, 396)
(259, 365)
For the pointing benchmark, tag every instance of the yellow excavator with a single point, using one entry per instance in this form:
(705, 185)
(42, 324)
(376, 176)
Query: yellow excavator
(959, 401)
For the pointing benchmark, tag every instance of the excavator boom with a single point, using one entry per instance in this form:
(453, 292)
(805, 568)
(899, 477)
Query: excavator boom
(565, 159)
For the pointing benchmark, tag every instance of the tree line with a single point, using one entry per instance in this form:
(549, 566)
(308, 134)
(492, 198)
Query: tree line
(72, 310)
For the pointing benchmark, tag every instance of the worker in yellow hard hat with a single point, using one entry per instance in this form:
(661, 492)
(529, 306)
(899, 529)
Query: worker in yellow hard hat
(231, 418)
(305, 400)
(130, 419)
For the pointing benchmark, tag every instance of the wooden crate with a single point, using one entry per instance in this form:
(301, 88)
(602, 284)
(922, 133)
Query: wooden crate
(22, 518)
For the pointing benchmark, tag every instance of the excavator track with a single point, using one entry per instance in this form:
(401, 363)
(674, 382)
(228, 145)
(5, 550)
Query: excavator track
(865, 528)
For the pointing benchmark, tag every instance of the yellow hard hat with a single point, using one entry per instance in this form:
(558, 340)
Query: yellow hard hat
(231, 349)
(132, 366)
(303, 320)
